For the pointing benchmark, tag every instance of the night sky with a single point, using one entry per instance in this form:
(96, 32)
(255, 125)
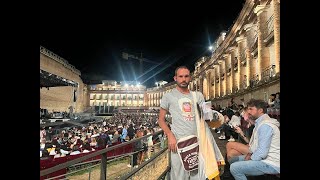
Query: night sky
(172, 35)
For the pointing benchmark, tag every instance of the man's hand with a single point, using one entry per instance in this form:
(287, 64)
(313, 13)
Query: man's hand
(238, 130)
(248, 157)
(172, 143)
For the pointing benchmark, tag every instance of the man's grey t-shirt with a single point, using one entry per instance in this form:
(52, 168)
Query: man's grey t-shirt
(181, 108)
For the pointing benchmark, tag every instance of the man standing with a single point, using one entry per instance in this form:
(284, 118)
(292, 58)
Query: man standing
(179, 102)
(264, 145)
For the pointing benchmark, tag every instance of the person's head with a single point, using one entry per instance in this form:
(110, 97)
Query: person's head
(245, 115)
(272, 97)
(182, 76)
(256, 108)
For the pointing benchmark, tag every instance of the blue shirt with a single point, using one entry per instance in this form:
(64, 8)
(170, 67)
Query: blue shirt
(124, 133)
(264, 141)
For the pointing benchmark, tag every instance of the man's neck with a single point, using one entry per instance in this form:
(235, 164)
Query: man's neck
(183, 90)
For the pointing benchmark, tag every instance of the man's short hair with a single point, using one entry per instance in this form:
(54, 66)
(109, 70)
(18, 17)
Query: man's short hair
(180, 67)
(259, 104)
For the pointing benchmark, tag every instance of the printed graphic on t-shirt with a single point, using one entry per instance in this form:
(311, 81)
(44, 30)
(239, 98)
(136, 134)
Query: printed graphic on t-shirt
(185, 105)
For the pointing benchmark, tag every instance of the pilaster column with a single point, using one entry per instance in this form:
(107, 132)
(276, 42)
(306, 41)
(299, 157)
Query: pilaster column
(234, 80)
(242, 44)
(276, 31)
(227, 64)
(250, 68)
(222, 82)
(207, 85)
(212, 81)
(218, 86)
(263, 51)
(201, 83)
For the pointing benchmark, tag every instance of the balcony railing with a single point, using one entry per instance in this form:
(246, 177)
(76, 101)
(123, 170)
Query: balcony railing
(254, 80)
(244, 84)
(268, 73)
(235, 89)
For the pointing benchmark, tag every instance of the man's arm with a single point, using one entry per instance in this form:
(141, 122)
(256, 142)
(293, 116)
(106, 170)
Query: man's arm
(172, 142)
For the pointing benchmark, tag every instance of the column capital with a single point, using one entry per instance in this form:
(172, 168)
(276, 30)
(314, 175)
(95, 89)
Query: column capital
(240, 39)
(248, 27)
(225, 55)
(231, 49)
(220, 62)
(260, 8)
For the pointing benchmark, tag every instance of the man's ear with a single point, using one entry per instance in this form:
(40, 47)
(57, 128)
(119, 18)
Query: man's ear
(175, 78)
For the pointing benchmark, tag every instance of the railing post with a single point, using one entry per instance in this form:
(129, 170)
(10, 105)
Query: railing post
(89, 173)
(131, 159)
(103, 167)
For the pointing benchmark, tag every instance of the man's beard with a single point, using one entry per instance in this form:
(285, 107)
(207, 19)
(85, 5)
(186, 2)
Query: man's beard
(183, 84)
(252, 117)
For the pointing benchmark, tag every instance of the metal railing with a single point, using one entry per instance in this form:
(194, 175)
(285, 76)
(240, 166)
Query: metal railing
(102, 152)
(254, 80)
(268, 73)
(235, 89)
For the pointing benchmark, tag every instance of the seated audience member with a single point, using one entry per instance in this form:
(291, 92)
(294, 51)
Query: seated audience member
(271, 99)
(263, 156)
(277, 101)
(228, 127)
(115, 137)
(236, 148)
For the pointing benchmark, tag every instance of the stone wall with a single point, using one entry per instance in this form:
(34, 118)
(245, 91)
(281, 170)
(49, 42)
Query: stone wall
(261, 93)
(60, 98)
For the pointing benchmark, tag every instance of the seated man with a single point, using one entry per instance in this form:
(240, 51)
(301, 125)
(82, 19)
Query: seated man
(263, 156)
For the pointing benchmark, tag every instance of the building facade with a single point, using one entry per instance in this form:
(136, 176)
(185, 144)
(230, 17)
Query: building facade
(244, 64)
(245, 60)
(116, 94)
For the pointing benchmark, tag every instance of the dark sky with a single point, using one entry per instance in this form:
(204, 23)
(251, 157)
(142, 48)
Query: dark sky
(93, 39)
